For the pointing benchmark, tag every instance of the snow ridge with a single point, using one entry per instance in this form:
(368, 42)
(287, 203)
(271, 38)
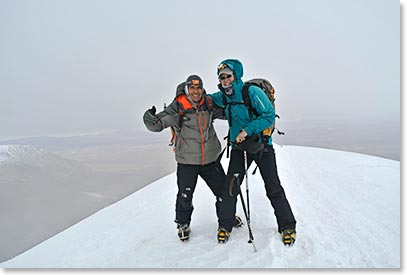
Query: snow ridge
(32, 156)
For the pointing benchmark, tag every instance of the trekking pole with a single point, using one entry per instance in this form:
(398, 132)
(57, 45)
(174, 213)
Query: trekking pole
(247, 183)
(251, 238)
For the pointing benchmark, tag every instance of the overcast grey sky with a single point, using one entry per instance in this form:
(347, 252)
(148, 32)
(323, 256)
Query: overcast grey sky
(81, 66)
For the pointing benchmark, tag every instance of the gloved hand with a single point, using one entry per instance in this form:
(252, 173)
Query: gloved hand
(150, 117)
(241, 136)
(251, 144)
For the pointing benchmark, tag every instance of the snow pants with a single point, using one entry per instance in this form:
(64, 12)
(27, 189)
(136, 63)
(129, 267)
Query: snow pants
(187, 176)
(266, 162)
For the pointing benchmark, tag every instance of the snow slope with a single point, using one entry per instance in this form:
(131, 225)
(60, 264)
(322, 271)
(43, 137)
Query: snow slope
(347, 206)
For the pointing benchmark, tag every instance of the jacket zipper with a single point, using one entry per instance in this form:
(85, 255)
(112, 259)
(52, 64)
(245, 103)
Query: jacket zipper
(202, 136)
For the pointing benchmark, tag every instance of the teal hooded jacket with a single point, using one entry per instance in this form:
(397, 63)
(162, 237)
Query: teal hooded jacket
(238, 116)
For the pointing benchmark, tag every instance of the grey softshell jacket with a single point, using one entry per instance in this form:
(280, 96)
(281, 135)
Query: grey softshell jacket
(196, 140)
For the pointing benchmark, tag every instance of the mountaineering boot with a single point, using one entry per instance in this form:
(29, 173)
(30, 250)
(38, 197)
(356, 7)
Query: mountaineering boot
(289, 236)
(238, 222)
(183, 231)
(223, 235)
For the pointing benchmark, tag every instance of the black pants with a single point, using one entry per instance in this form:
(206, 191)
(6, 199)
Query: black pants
(274, 191)
(187, 176)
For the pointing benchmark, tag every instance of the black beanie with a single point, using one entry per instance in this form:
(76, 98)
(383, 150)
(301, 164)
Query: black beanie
(194, 80)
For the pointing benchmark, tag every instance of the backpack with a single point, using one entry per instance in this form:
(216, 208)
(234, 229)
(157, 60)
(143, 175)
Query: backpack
(268, 89)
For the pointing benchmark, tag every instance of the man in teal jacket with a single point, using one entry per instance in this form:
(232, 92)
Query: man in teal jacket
(244, 128)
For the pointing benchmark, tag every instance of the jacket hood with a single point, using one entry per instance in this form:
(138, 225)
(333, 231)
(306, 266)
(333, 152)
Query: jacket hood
(235, 65)
(181, 89)
(237, 68)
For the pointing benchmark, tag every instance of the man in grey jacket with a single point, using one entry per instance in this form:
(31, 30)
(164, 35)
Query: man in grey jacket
(197, 146)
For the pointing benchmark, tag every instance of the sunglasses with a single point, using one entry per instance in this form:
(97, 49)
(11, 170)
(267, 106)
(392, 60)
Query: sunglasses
(224, 77)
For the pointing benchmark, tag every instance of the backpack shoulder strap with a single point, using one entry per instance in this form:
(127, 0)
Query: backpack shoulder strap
(181, 112)
(247, 101)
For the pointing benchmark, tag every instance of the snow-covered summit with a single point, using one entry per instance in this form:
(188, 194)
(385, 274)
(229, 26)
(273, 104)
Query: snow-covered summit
(32, 156)
(4, 154)
(347, 206)
(9, 152)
